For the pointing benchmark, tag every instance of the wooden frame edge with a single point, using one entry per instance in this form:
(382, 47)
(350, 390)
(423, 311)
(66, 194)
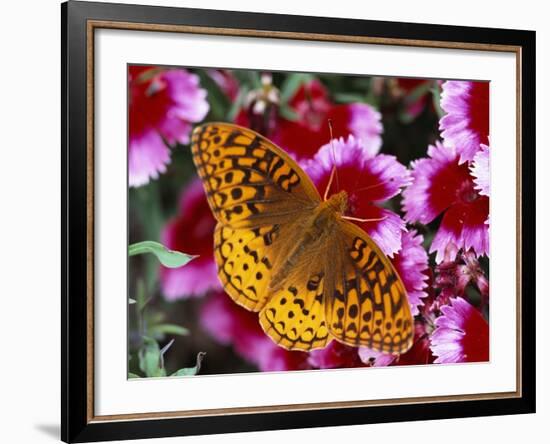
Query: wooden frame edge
(92, 25)
(78, 422)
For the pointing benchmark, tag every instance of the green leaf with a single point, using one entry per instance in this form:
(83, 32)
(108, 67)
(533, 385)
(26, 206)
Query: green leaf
(168, 258)
(288, 113)
(191, 371)
(150, 358)
(349, 97)
(237, 104)
(219, 102)
(141, 298)
(188, 371)
(168, 329)
(418, 92)
(133, 376)
(255, 79)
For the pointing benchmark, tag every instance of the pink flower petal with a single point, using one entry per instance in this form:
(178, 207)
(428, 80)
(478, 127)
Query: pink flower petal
(461, 334)
(189, 100)
(365, 123)
(192, 280)
(387, 231)
(175, 130)
(481, 171)
(424, 200)
(147, 157)
(374, 358)
(388, 177)
(412, 265)
(466, 123)
(217, 318)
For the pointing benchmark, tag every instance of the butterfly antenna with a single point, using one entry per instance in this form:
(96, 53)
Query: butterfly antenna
(379, 184)
(334, 171)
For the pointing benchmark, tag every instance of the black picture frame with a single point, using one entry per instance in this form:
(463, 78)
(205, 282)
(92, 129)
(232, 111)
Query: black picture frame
(77, 326)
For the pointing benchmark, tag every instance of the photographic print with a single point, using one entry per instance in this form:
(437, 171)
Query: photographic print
(239, 232)
(285, 221)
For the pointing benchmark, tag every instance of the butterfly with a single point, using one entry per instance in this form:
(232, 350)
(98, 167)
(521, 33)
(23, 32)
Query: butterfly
(286, 253)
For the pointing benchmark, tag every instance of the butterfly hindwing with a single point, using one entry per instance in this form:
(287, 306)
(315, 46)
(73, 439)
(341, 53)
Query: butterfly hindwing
(367, 303)
(248, 180)
(245, 262)
(294, 316)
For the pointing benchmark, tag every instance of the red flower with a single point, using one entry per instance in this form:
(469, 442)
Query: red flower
(303, 136)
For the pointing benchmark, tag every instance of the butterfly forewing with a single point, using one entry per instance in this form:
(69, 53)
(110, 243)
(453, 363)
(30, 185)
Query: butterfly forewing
(248, 180)
(257, 193)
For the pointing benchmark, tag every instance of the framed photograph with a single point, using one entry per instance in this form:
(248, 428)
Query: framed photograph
(276, 221)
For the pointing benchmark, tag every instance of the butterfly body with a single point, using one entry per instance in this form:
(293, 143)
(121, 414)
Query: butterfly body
(286, 253)
(313, 234)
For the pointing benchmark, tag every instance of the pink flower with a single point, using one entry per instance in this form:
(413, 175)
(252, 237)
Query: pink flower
(412, 265)
(481, 171)
(369, 180)
(442, 185)
(303, 135)
(462, 335)
(465, 125)
(163, 105)
(230, 324)
(191, 232)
